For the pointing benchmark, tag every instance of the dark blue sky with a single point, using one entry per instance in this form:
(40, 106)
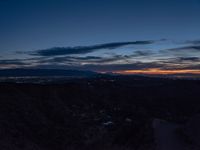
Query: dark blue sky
(27, 27)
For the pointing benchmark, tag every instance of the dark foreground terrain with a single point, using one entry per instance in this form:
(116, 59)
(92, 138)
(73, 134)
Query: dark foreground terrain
(100, 113)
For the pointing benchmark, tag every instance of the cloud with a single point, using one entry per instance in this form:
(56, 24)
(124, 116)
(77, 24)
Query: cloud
(111, 63)
(103, 67)
(177, 60)
(113, 58)
(70, 59)
(185, 56)
(140, 53)
(55, 51)
(11, 62)
(186, 48)
(194, 42)
(19, 63)
(192, 59)
(193, 50)
(79, 60)
(101, 64)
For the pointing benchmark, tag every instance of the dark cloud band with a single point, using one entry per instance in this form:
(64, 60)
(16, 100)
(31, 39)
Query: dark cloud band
(84, 49)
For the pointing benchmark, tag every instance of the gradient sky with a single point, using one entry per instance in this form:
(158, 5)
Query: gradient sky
(100, 35)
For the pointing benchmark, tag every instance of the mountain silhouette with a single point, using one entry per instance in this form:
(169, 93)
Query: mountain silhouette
(44, 72)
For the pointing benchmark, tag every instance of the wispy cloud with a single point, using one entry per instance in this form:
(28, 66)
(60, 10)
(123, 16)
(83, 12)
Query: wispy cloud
(141, 55)
(55, 51)
(11, 62)
(191, 59)
(194, 42)
(186, 48)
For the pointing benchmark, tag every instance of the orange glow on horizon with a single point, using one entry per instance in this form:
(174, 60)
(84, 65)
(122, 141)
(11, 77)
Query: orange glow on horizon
(157, 71)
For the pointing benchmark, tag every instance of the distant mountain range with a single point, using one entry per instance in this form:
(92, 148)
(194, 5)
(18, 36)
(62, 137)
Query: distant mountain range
(44, 73)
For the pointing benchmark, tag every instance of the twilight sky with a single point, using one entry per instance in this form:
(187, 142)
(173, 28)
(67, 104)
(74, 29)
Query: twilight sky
(124, 36)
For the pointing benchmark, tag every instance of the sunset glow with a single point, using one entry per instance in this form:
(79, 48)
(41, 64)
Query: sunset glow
(157, 71)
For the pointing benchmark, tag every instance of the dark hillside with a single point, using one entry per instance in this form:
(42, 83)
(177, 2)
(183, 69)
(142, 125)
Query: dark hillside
(98, 113)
